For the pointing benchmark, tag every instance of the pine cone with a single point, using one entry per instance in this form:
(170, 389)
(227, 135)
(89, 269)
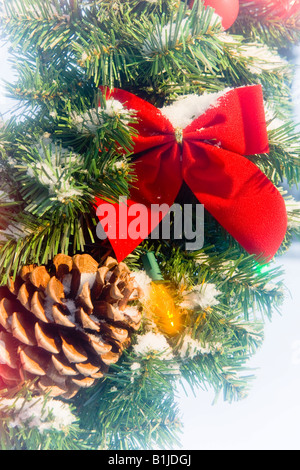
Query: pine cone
(64, 327)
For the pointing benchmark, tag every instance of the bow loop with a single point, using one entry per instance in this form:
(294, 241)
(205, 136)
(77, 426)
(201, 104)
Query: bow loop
(235, 122)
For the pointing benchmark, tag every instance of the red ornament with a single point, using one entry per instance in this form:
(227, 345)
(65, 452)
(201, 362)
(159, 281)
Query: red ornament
(208, 154)
(228, 10)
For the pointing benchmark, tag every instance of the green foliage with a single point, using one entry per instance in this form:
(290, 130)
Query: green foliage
(132, 409)
(37, 430)
(62, 148)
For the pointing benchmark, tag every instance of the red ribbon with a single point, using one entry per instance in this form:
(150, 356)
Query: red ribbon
(209, 155)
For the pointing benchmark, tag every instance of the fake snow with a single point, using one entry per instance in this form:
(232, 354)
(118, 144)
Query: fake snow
(203, 296)
(71, 306)
(262, 58)
(258, 57)
(191, 348)
(135, 366)
(3, 353)
(52, 171)
(90, 278)
(66, 282)
(93, 119)
(153, 343)
(162, 37)
(51, 415)
(55, 179)
(113, 108)
(273, 122)
(142, 282)
(132, 312)
(189, 107)
(48, 305)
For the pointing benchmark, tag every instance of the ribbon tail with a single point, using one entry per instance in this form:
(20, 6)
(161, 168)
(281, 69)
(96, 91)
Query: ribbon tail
(240, 197)
(126, 224)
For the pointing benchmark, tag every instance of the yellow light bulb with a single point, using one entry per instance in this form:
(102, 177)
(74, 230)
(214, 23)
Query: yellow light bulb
(163, 309)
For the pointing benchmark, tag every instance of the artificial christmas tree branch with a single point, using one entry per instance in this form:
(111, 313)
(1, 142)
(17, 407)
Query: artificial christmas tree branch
(70, 143)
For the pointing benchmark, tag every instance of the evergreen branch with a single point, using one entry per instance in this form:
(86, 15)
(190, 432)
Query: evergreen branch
(227, 344)
(28, 25)
(220, 374)
(67, 147)
(35, 430)
(125, 407)
(282, 161)
(41, 241)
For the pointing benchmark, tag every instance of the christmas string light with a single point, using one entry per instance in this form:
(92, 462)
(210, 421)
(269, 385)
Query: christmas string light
(160, 305)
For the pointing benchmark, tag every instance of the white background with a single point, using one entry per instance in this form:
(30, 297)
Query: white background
(269, 418)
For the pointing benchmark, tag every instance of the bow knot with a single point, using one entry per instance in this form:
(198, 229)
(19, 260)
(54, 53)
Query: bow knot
(179, 135)
(208, 154)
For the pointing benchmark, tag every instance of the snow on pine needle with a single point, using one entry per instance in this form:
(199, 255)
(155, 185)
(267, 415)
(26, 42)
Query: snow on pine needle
(155, 343)
(201, 296)
(190, 348)
(93, 119)
(44, 415)
(54, 169)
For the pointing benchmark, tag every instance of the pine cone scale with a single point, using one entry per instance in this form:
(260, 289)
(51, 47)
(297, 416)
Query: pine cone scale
(33, 360)
(6, 311)
(23, 328)
(46, 339)
(37, 307)
(8, 350)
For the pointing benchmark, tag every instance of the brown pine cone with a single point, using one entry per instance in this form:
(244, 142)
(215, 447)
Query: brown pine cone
(64, 328)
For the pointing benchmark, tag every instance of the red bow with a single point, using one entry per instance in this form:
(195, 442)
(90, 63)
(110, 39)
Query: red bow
(208, 155)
